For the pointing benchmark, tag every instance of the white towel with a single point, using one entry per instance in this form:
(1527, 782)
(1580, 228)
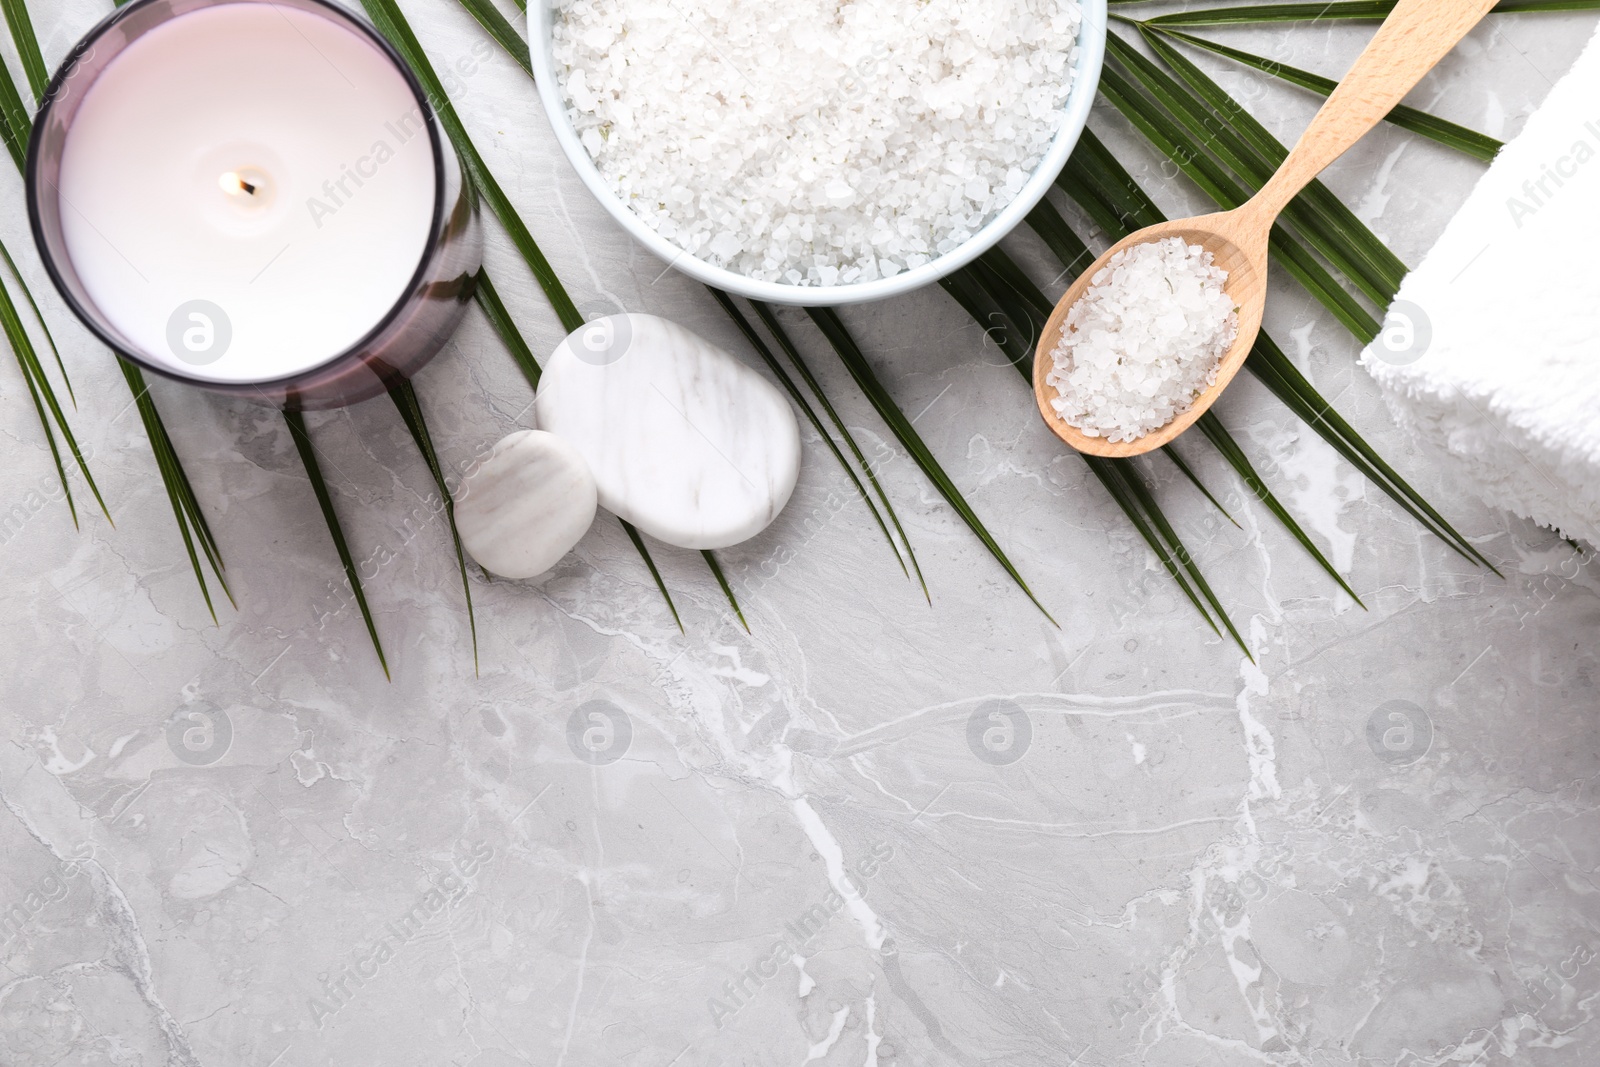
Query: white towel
(1490, 357)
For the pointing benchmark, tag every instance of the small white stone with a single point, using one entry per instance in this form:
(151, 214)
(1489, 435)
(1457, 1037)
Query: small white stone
(685, 442)
(527, 505)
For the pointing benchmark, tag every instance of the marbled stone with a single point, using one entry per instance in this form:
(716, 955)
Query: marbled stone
(685, 442)
(1116, 843)
(526, 505)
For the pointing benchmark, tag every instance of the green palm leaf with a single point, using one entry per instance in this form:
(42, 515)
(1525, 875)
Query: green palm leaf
(1005, 269)
(1279, 374)
(1478, 145)
(192, 525)
(727, 590)
(1103, 177)
(998, 326)
(644, 553)
(14, 120)
(1147, 503)
(501, 30)
(1053, 230)
(1177, 461)
(1120, 478)
(44, 399)
(1252, 153)
(404, 395)
(1108, 180)
(22, 35)
(489, 300)
(770, 320)
(727, 305)
(386, 15)
(1141, 495)
(308, 459)
(1341, 10)
(1117, 203)
(1115, 476)
(38, 316)
(16, 128)
(1212, 427)
(1216, 183)
(495, 309)
(49, 434)
(866, 379)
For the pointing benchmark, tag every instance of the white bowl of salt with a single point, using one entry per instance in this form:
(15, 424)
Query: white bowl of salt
(809, 154)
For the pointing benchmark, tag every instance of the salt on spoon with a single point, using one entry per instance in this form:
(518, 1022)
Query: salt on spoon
(1412, 40)
(1144, 341)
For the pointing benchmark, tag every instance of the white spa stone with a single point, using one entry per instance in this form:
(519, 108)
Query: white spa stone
(526, 505)
(685, 442)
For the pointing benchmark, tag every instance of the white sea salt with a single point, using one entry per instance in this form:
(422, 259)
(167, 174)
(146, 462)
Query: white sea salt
(816, 142)
(1143, 341)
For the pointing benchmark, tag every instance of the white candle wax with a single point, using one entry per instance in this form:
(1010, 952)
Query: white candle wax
(256, 159)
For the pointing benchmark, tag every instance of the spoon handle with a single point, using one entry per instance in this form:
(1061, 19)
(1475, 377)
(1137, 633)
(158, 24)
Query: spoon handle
(1412, 40)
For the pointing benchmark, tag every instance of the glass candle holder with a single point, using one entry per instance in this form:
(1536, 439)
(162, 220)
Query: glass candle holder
(254, 197)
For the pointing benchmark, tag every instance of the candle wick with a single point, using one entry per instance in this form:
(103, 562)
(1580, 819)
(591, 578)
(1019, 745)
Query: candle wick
(233, 183)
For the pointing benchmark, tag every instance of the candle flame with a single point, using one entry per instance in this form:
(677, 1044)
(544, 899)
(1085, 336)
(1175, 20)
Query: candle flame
(233, 185)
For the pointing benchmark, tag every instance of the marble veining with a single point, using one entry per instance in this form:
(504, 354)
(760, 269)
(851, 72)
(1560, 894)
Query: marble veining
(870, 832)
(685, 442)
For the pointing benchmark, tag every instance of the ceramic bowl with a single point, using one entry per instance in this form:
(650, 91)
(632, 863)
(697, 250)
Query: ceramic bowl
(1091, 51)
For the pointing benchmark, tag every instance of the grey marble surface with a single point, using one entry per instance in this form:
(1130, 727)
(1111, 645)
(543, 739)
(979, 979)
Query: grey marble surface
(621, 844)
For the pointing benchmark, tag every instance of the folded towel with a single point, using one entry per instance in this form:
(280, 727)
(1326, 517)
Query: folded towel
(1490, 356)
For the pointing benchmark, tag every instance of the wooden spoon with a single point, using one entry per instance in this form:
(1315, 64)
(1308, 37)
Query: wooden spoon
(1412, 40)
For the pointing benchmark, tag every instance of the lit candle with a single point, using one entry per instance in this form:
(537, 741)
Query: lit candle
(252, 195)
